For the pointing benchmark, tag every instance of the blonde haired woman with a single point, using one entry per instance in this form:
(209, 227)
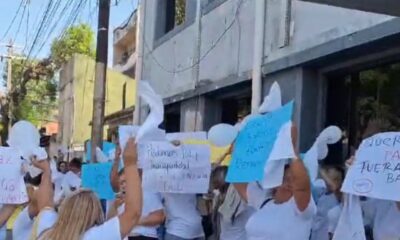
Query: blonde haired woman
(80, 216)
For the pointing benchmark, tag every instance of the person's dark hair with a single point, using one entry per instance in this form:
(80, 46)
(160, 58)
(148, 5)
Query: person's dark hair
(218, 175)
(76, 162)
(34, 181)
(122, 171)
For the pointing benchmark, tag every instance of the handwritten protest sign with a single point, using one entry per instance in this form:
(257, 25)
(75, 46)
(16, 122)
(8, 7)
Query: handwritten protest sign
(216, 152)
(97, 178)
(376, 170)
(12, 186)
(182, 169)
(255, 143)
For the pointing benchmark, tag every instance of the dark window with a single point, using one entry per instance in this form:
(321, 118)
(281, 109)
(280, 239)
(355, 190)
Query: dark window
(171, 13)
(172, 119)
(361, 104)
(124, 96)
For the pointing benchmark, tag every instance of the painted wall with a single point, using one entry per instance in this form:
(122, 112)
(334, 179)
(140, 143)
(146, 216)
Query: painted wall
(77, 110)
(311, 24)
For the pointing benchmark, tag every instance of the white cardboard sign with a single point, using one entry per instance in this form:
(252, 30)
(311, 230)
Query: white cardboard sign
(170, 169)
(376, 170)
(12, 186)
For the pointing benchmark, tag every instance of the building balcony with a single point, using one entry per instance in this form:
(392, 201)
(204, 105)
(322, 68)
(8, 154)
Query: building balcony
(124, 58)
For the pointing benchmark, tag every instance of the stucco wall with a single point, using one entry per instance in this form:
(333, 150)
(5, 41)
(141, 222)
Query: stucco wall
(76, 108)
(311, 24)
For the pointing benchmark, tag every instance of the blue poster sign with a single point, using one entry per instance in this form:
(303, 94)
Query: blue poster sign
(254, 145)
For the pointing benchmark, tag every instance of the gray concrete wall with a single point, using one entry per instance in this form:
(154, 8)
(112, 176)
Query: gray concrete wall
(313, 24)
(290, 27)
(310, 24)
(303, 86)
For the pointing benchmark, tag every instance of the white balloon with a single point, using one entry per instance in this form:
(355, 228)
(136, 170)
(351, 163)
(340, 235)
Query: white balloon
(25, 137)
(330, 135)
(222, 134)
(23, 132)
(322, 150)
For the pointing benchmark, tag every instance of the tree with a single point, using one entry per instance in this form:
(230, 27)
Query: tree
(33, 96)
(77, 39)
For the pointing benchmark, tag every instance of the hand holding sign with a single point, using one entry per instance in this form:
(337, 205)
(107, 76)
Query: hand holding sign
(375, 172)
(12, 186)
(130, 153)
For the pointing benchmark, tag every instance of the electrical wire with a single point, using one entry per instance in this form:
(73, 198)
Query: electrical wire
(204, 55)
(13, 20)
(27, 24)
(21, 20)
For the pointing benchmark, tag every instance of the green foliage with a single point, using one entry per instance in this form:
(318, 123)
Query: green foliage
(77, 39)
(33, 96)
(180, 12)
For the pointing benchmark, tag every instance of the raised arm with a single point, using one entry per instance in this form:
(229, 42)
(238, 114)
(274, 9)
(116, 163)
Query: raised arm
(133, 196)
(44, 195)
(114, 170)
(300, 180)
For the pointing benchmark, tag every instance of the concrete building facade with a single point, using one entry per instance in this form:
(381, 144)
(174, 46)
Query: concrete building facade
(76, 101)
(201, 61)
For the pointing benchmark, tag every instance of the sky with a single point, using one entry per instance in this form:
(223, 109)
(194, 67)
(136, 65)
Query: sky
(24, 29)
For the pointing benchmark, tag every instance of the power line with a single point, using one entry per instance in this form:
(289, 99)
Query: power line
(27, 24)
(13, 20)
(204, 55)
(21, 20)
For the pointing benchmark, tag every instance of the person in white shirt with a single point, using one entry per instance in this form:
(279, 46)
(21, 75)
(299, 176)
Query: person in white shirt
(183, 220)
(231, 213)
(385, 219)
(333, 177)
(152, 212)
(288, 214)
(81, 216)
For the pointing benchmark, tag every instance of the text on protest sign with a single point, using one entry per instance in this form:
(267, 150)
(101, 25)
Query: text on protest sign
(12, 186)
(255, 143)
(376, 170)
(96, 177)
(170, 169)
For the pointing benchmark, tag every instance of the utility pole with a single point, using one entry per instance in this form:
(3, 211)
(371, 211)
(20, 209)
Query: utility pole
(139, 56)
(100, 77)
(10, 56)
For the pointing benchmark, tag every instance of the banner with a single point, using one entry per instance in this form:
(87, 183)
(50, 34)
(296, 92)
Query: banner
(375, 172)
(182, 169)
(12, 186)
(96, 177)
(255, 143)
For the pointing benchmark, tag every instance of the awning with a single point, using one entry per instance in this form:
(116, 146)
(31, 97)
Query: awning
(388, 7)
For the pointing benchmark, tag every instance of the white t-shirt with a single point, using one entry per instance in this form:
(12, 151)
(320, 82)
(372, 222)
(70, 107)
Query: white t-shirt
(107, 231)
(183, 218)
(236, 230)
(386, 221)
(320, 223)
(151, 202)
(333, 218)
(23, 226)
(279, 221)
